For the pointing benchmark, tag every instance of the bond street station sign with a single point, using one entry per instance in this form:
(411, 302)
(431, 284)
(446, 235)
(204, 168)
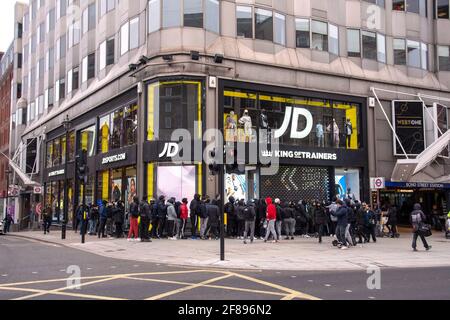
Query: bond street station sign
(114, 158)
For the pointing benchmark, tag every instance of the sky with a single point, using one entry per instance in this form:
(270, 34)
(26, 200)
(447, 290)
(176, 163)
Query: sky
(7, 23)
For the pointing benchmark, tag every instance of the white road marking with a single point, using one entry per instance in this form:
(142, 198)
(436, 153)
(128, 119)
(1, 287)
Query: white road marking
(348, 291)
(34, 272)
(4, 275)
(113, 267)
(372, 298)
(310, 280)
(328, 285)
(88, 268)
(136, 266)
(293, 277)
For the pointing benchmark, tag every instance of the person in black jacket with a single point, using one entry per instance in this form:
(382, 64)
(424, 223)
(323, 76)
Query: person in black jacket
(118, 212)
(262, 216)
(288, 215)
(342, 222)
(194, 209)
(155, 219)
(417, 219)
(240, 219)
(162, 215)
(279, 221)
(249, 217)
(204, 217)
(146, 215)
(320, 217)
(213, 213)
(351, 217)
(360, 229)
(300, 219)
(231, 211)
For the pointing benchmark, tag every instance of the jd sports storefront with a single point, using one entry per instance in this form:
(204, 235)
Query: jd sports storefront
(322, 142)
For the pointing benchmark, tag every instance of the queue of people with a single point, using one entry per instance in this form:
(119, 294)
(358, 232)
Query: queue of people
(350, 222)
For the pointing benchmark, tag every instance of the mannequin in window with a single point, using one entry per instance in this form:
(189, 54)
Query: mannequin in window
(320, 135)
(350, 195)
(334, 129)
(264, 125)
(246, 121)
(231, 126)
(348, 133)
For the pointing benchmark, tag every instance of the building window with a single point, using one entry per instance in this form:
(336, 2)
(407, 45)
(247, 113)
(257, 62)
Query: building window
(333, 39)
(193, 13)
(302, 33)
(50, 59)
(89, 18)
(398, 5)
(74, 34)
(444, 58)
(381, 48)
(134, 33)
(61, 7)
(171, 13)
(280, 29)
(353, 43)
(88, 68)
(424, 56)
(412, 6)
(124, 38)
(423, 8)
(369, 45)
(380, 3)
(51, 20)
(154, 15)
(443, 9)
(87, 141)
(212, 15)
(263, 24)
(413, 53)
(319, 32)
(399, 51)
(106, 6)
(244, 22)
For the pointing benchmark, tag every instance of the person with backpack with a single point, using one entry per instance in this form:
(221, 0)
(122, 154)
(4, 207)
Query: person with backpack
(213, 212)
(249, 217)
(194, 209)
(361, 231)
(184, 214)
(118, 216)
(145, 215)
(231, 211)
(134, 217)
(288, 215)
(171, 219)
(300, 219)
(417, 220)
(333, 208)
(103, 217)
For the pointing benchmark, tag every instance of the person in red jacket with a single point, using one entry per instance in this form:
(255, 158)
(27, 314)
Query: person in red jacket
(271, 218)
(184, 212)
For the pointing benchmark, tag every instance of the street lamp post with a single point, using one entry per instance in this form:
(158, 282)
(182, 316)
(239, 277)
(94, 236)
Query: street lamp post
(67, 125)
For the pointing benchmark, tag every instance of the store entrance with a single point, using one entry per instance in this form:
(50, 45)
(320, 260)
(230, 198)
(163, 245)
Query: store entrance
(404, 200)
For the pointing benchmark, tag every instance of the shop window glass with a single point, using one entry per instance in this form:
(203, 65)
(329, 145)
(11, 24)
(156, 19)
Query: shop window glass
(49, 155)
(63, 149)
(56, 152)
(369, 44)
(193, 13)
(130, 185)
(104, 134)
(87, 140)
(236, 102)
(185, 98)
(263, 24)
(347, 184)
(183, 181)
(399, 52)
(244, 22)
(319, 31)
(302, 33)
(353, 43)
(130, 125)
(116, 129)
(443, 9)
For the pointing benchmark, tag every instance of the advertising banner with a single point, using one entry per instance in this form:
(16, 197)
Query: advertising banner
(409, 126)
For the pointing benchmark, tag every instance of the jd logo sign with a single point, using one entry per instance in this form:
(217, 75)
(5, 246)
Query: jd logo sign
(170, 150)
(294, 114)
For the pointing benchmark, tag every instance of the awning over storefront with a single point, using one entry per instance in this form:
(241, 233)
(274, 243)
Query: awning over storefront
(27, 181)
(406, 168)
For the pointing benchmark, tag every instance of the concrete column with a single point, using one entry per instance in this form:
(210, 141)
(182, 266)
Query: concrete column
(140, 91)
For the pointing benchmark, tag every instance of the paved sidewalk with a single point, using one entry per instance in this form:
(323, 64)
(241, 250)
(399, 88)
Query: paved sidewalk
(300, 254)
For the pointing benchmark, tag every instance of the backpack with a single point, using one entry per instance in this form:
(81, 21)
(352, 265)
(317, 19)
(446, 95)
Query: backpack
(416, 218)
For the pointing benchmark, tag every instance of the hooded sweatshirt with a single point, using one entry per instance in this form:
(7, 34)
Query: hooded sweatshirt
(417, 217)
(271, 210)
